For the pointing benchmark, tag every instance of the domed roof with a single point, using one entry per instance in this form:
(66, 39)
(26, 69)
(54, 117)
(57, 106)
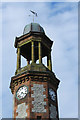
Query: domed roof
(33, 27)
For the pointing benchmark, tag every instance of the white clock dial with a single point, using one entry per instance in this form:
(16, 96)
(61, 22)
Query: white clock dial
(21, 92)
(52, 94)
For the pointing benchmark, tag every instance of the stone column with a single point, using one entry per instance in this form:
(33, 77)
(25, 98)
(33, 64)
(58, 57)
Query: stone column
(18, 58)
(32, 50)
(40, 52)
(49, 63)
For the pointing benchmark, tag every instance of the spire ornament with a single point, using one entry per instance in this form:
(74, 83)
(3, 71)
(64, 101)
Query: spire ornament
(34, 14)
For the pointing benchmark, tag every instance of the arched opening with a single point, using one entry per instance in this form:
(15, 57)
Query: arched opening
(44, 60)
(23, 61)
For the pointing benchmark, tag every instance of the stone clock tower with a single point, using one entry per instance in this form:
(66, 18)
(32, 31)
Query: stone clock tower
(34, 86)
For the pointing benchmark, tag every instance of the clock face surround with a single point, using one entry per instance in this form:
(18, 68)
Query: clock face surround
(52, 94)
(21, 92)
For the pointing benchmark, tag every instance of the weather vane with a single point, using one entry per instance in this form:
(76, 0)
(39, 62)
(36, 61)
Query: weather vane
(34, 13)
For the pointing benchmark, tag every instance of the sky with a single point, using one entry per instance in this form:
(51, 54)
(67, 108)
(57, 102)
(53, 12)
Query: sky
(39, 0)
(60, 22)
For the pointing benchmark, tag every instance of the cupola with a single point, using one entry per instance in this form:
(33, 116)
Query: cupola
(33, 27)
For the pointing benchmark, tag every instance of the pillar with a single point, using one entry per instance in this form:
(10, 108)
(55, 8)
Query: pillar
(32, 50)
(40, 52)
(49, 63)
(18, 58)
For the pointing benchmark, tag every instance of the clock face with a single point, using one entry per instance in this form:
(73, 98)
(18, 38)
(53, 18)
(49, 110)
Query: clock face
(21, 92)
(52, 94)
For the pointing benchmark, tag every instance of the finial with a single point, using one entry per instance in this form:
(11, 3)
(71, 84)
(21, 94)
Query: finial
(34, 13)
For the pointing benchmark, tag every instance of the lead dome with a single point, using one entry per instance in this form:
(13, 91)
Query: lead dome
(33, 27)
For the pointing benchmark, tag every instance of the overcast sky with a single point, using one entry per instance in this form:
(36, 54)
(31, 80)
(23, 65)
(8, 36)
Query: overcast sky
(60, 22)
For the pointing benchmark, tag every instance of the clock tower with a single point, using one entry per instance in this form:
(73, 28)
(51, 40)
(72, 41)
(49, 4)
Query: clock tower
(34, 86)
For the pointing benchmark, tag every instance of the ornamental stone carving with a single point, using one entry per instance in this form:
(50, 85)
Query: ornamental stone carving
(53, 112)
(21, 109)
(38, 103)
